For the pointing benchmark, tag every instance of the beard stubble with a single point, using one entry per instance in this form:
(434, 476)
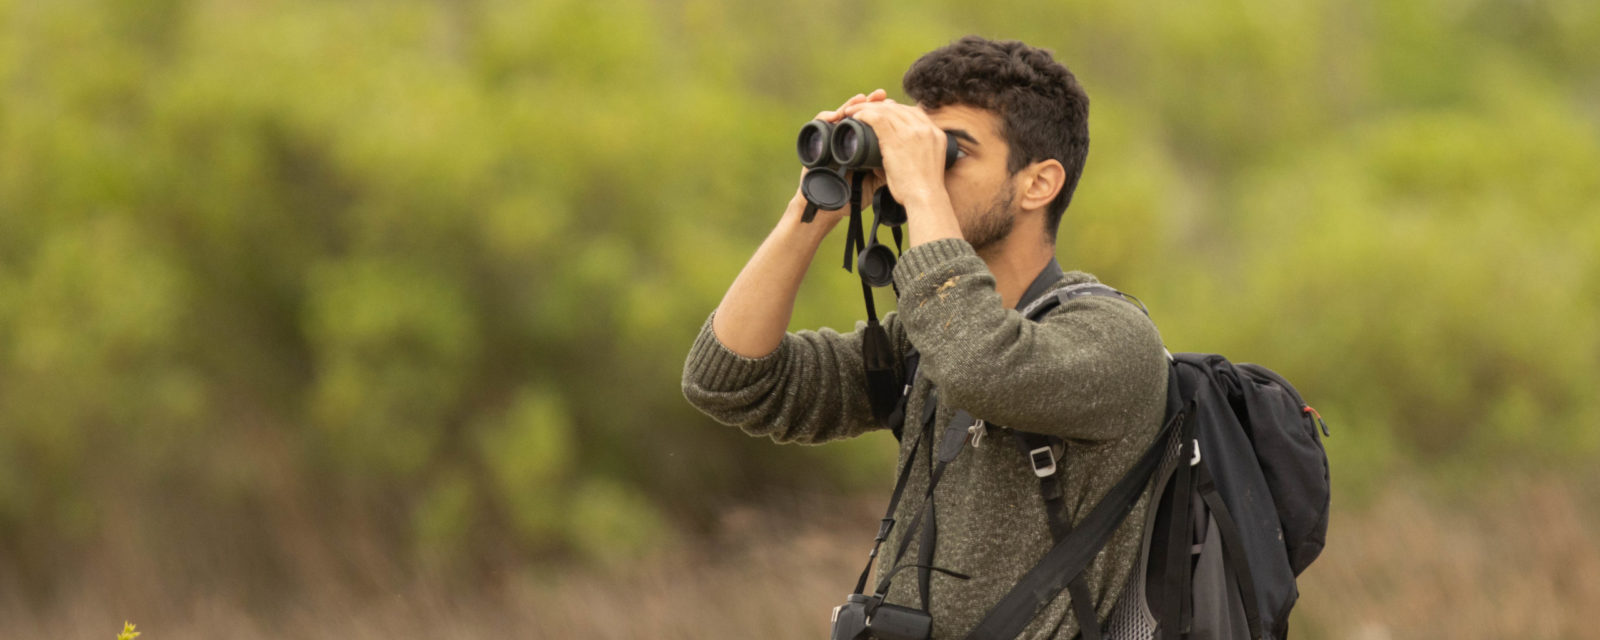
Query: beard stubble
(993, 225)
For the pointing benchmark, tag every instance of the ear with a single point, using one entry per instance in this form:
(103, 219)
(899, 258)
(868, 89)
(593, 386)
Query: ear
(1039, 183)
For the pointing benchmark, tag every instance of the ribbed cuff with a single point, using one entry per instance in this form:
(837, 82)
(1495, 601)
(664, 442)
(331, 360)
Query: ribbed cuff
(714, 367)
(923, 259)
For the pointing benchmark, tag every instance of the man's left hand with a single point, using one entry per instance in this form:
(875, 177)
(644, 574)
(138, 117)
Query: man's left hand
(913, 149)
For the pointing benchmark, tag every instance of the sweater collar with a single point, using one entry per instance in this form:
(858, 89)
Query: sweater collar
(1051, 274)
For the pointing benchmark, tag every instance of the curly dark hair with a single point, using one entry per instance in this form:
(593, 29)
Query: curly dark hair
(1043, 111)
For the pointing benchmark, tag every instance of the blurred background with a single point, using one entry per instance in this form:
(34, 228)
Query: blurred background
(362, 319)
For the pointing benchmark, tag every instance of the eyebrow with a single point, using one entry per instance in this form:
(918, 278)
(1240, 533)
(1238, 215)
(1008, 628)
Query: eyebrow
(963, 135)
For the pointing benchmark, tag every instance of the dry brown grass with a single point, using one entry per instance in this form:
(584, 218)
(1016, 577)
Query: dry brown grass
(1520, 560)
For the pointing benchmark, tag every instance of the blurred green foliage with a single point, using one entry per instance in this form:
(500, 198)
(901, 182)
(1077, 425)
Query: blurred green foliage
(424, 273)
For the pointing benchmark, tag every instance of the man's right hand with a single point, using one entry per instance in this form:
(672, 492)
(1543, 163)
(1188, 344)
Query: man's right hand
(754, 313)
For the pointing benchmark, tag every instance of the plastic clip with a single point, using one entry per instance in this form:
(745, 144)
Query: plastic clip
(1044, 461)
(977, 431)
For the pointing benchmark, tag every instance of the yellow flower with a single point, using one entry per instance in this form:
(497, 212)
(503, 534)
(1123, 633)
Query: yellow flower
(127, 631)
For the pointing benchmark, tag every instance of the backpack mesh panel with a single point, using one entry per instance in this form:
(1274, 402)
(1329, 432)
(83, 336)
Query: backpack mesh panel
(1131, 618)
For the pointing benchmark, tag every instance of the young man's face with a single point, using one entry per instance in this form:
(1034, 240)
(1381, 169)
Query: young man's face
(980, 187)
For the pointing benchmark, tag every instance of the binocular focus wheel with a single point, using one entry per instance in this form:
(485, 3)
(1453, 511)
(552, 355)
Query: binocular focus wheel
(877, 265)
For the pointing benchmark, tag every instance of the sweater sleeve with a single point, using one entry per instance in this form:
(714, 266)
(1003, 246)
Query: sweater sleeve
(1077, 374)
(810, 390)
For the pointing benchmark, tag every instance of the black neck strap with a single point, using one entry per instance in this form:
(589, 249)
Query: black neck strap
(954, 442)
(887, 524)
(856, 241)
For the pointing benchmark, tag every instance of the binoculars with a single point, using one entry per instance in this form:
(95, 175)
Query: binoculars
(829, 149)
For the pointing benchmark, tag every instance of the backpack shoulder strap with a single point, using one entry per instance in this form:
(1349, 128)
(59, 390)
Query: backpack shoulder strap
(1072, 554)
(1053, 299)
(1040, 451)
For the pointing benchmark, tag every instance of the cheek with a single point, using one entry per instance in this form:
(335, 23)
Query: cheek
(963, 191)
(972, 189)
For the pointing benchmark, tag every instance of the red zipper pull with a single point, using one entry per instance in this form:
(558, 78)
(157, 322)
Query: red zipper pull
(1313, 413)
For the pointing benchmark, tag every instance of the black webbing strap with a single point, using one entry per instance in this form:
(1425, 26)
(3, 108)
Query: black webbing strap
(1039, 449)
(898, 251)
(1035, 446)
(1083, 608)
(854, 240)
(877, 357)
(897, 417)
(887, 524)
(1071, 555)
(930, 537)
(1061, 296)
(1232, 548)
(916, 526)
(954, 441)
(877, 350)
(1176, 605)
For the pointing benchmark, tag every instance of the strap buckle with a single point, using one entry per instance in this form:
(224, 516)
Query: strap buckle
(1044, 461)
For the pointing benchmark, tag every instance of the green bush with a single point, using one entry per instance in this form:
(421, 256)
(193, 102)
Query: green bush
(430, 269)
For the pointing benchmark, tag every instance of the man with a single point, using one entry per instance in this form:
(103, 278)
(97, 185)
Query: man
(1092, 372)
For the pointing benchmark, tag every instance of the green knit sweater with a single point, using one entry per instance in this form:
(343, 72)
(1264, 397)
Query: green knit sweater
(1093, 372)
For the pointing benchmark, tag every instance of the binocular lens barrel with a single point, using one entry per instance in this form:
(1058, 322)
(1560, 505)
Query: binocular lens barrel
(855, 146)
(849, 142)
(813, 144)
(850, 145)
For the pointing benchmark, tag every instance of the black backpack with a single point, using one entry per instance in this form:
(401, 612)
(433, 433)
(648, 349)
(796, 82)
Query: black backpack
(1240, 509)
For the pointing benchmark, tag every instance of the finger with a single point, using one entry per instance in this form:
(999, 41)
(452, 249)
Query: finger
(876, 115)
(905, 118)
(851, 111)
(885, 107)
(834, 115)
(843, 110)
(877, 95)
